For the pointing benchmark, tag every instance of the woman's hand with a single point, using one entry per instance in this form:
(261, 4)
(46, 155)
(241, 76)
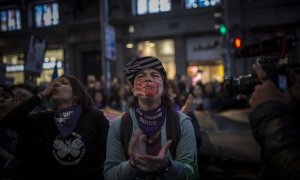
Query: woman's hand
(46, 93)
(267, 91)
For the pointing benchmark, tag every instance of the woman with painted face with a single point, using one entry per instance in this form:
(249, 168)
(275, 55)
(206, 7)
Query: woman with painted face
(69, 142)
(152, 149)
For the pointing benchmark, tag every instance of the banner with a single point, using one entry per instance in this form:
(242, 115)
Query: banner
(110, 42)
(35, 56)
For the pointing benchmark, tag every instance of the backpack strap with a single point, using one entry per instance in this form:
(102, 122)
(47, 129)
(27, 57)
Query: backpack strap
(173, 130)
(126, 131)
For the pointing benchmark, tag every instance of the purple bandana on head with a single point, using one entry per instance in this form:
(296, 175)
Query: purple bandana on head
(67, 119)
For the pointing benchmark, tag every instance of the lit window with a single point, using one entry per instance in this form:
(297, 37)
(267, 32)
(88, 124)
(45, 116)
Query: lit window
(190, 4)
(152, 6)
(46, 15)
(10, 20)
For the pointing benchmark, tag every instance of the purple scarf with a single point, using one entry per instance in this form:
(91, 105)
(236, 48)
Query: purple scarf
(151, 123)
(67, 119)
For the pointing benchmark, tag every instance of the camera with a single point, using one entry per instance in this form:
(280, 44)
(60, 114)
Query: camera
(270, 52)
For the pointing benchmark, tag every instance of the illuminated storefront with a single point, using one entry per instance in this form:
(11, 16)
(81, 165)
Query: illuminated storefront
(15, 66)
(162, 49)
(205, 59)
(206, 72)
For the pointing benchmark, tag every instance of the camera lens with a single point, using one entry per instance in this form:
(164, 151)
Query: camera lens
(230, 87)
(241, 85)
(247, 83)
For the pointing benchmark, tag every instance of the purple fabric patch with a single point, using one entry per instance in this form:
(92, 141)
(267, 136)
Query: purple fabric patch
(151, 123)
(67, 119)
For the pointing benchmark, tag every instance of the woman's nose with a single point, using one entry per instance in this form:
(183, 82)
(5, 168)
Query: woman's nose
(148, 77)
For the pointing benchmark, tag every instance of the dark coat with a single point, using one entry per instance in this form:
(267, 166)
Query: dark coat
(46, 154)
(276, 128)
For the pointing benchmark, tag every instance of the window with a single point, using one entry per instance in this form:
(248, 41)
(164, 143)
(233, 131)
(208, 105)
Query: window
(190, 4)
(46, 15)
(10, 20)
(152, 6)
(15, 66)
(164, 50)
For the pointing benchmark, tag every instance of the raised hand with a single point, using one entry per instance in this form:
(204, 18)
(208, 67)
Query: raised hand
(155, 163)
(267, 91)
(47, 92)
(137, 147)
(188, 104)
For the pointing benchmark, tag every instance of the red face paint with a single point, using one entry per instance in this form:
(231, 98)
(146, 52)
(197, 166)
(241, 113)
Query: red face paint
(148, 89)
(151, 89)
(138, 88)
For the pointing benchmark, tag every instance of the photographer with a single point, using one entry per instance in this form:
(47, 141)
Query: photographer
(276, 128)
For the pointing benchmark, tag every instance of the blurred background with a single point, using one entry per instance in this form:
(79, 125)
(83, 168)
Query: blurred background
(198, 41)
(196, 38)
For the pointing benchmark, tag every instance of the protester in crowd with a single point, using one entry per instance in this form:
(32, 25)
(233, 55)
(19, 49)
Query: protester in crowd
(150, 153)
(99, 100)
(90, 84)
(68, 143)
(185, 86)
(8, 138)
(6, 101)
(119, 99)
(21, 94)
(276, 127)
(209, 96)
(197, 103)
(174, 95)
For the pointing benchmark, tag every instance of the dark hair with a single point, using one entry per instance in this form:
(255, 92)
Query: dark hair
(165, 98)
(173, 86)
(80, 93)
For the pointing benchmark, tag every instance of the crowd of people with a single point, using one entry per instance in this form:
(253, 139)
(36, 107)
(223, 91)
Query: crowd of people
(72, 130)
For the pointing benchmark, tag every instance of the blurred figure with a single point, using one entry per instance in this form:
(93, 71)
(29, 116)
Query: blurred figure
(99, 100)
(185, 88)
(90, 84)
(119, 100)
(9, 138)
(21, 94)
(175, 95)
(6, 101)
(98, 86)
(197, 103)
(149, 156)
(68, 143)
(209, 96)
(115, 83)
(186, 109)
(276, 127)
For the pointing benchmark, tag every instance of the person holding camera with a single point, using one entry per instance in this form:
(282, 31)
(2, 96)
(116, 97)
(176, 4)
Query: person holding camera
(276, 128)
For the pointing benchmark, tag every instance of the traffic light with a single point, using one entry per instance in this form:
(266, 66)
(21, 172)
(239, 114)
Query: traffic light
(220, 24)
(237, 42)
(223, 29)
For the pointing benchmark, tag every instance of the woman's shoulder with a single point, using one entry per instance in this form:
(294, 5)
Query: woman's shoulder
(94, 114)
(93, 111)
(116, 123)
(183, 116)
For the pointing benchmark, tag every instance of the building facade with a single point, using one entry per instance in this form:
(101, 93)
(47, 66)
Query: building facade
(181, 33)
